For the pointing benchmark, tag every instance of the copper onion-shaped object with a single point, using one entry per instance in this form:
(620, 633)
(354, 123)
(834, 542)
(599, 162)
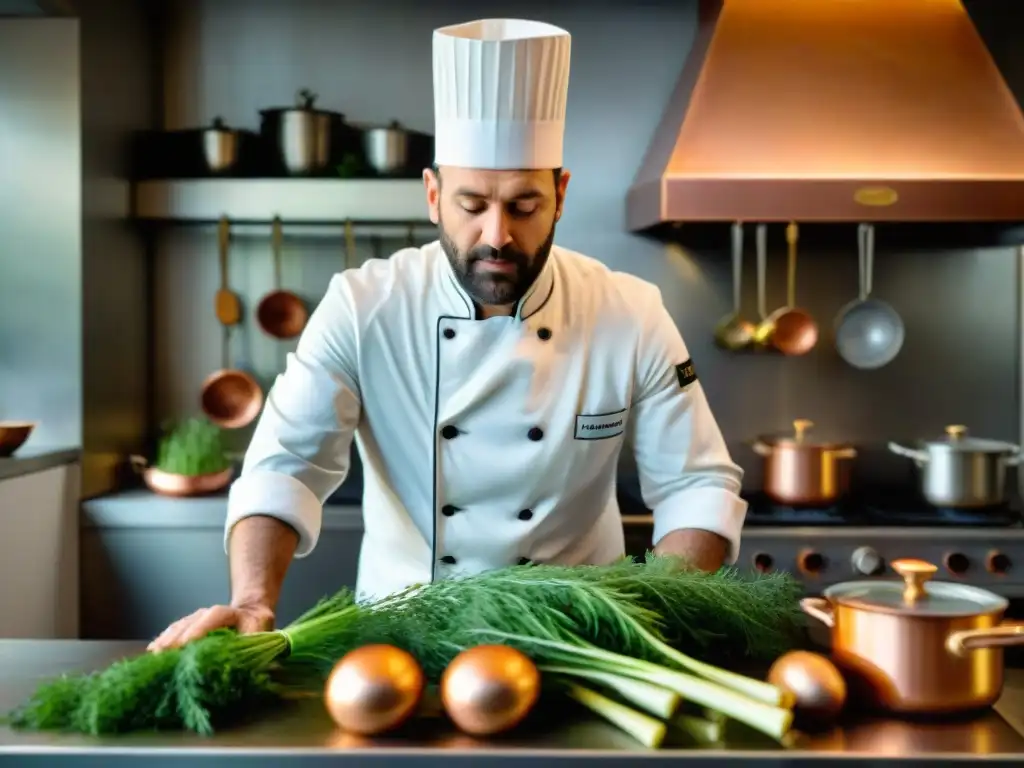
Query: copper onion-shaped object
(489, 689)
(815, 683)
(374, 689)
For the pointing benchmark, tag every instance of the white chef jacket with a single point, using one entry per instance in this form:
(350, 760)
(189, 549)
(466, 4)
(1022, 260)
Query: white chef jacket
(487, 443)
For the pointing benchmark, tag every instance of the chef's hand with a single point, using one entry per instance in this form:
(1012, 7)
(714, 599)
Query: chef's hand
(246, 619)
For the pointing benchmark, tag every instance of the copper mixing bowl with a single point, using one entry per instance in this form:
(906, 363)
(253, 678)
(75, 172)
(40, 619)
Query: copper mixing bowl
(282, 314)
(231, 399)
(13, 435)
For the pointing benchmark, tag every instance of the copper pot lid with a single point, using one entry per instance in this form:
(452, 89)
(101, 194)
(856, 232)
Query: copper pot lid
(915, 596)
(957, 439)
(798, 438)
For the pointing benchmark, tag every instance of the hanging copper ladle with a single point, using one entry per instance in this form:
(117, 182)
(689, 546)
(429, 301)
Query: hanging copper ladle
(795, 332)
(231, 398)
(281, 313)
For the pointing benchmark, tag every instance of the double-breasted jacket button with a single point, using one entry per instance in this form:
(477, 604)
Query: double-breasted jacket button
(448, 432)
(449, 333)
(524, 561)
(543, 334)
(535, 434)
(449, 509)
(525, 514)
(448, 560)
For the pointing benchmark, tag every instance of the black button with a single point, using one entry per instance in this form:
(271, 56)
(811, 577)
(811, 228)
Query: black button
(526, 514)
(543, 334)
(449, 333)
(449, 509)
(535, 434)
(448, 560)
(525, 561)
(449, 432)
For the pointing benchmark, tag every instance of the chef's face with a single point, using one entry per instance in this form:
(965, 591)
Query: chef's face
(496, 227)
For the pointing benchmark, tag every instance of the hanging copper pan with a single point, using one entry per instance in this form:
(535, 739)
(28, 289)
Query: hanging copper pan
(281, 313)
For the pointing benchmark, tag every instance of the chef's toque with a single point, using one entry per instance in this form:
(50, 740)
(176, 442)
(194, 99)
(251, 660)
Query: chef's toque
(500, 88)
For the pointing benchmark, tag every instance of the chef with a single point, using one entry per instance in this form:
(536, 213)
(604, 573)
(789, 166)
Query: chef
(490, 379)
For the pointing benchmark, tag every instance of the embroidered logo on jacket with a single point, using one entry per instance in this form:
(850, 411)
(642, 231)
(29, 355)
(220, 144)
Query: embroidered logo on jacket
(600, 426)
(686, 374)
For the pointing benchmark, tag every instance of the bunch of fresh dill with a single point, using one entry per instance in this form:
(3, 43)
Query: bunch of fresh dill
(207, 684)
(631, 628)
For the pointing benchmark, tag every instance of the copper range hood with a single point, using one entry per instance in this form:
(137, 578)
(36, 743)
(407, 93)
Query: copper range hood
(834, 111)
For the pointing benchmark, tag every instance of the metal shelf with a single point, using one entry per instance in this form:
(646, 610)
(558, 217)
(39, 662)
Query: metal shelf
(296, 201)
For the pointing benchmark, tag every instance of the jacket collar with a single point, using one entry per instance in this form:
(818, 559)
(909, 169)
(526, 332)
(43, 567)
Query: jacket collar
(457, 303)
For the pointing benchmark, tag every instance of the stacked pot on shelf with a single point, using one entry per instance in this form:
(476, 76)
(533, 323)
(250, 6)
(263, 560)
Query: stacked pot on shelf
(301, 139)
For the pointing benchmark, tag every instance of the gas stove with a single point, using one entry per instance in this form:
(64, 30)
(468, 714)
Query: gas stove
(858, 539)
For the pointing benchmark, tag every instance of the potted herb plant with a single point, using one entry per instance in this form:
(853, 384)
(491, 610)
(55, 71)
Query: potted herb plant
(192, 459)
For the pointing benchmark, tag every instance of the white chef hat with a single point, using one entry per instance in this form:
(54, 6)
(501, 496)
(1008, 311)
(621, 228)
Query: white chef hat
(500, 87)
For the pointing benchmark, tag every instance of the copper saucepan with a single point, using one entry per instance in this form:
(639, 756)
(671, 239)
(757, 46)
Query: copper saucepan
(915, 647)
(281, 314)
(800, 471)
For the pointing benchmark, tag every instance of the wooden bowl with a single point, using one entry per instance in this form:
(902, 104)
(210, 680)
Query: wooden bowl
(170, 484)
(231, 399)
(282, 314)
(13, 435)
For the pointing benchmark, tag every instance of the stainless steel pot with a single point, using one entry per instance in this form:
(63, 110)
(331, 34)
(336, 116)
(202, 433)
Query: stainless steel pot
(387, 148)
(220, 147)
(960, 471)
(303, 136)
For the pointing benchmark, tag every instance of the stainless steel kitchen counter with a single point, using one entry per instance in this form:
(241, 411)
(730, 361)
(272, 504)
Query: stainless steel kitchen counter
(302, 734)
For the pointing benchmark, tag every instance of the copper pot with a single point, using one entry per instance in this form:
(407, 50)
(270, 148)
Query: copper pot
(916, 648)
(801, 472)
(171, 484)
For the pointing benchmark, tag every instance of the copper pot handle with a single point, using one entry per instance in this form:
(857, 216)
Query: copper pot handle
(966, 640)
(761, 449)
(819, 608)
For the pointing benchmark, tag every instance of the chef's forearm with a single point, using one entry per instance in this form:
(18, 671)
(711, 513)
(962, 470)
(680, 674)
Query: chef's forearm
(260, 550)
(702, 549)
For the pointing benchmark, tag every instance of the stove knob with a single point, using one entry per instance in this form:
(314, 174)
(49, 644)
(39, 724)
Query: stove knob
(997, 563)
(956, 563)
(810, 562)
(867, 561)
(763, 562)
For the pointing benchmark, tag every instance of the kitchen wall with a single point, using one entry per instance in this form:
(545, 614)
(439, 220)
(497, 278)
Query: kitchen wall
(372, 62)
(73, 267)
(40, 215)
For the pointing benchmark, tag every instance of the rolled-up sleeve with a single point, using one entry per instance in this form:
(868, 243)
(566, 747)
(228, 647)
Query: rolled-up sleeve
(686, 474)
(300, 451)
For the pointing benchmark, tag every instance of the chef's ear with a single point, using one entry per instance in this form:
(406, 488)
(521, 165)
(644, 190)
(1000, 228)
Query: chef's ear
(560, 186)
(432, 185)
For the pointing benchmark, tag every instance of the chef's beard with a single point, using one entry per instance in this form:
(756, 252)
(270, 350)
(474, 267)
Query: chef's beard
(490, 288)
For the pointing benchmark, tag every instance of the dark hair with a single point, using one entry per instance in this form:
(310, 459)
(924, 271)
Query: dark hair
(437, 172)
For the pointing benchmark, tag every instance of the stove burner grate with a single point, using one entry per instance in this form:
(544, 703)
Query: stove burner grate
(892, 509)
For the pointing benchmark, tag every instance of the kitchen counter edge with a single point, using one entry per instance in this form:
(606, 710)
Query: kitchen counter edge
(140, 508)
(30, 462)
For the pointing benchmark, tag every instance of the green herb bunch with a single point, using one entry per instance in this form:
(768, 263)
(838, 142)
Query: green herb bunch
(628, 640)
(193, 447)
